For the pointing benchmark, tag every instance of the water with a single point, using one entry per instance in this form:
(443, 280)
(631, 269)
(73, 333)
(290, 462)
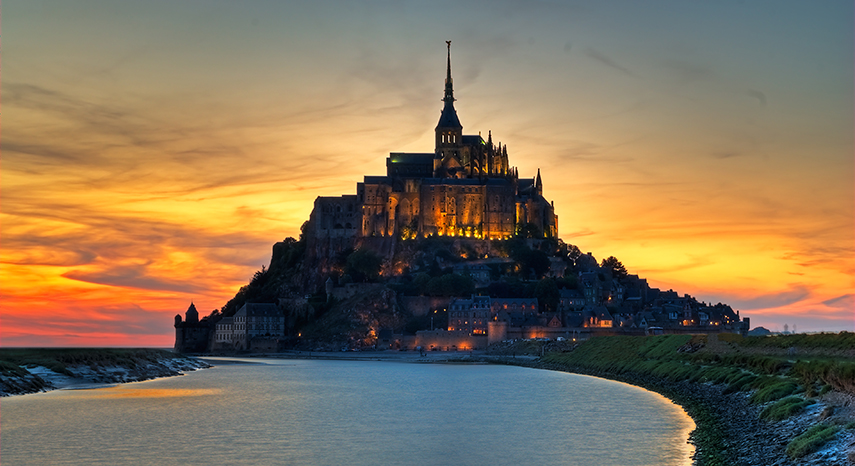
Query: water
(301, 412)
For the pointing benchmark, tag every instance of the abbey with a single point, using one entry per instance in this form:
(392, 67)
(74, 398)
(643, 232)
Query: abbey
(465, 187)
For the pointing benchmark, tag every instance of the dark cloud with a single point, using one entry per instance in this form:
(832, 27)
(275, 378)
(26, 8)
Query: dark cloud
(784, 298)
(693, 262)
(580, 233)
(600, 57)
(31, 251)
(687, 73)
(761, 97)
(846, 301)
(134, 276)
(89, 324)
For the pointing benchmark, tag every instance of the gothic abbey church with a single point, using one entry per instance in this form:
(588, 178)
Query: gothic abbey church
(465, 187)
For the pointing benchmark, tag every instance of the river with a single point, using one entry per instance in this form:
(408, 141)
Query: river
(308, 412)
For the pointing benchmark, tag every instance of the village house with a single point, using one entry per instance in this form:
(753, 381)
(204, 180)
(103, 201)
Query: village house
(253, 325)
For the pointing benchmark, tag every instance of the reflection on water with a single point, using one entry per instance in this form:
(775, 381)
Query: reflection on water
(349, 412)
(124, 391)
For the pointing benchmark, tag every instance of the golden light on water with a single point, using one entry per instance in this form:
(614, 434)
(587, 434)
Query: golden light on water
(130, 391)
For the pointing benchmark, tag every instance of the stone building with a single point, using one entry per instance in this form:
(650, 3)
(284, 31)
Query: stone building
(191, 334)
(469, 316)
(254, 326)
(465, 187)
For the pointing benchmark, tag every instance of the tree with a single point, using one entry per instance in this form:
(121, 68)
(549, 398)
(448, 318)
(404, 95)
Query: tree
(531, 261)
(363, 265)
(528, 230)
(547, 294)
(611, 263)
(451, 284)
(420, 283)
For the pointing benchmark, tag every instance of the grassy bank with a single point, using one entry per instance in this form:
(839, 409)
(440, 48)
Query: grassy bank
(58, 359)
(782, 374)
(84, 365)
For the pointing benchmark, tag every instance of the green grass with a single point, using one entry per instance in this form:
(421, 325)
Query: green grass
(772, 388)
(812, 440)
(7, 368)
(837, 374)
(837, 341)
(741, 383)
(58, 359)
(785, 408)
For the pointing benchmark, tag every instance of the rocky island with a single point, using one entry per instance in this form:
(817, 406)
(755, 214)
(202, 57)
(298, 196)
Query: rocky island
(451, 249)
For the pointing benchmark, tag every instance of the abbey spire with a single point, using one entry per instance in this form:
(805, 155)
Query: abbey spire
(449, 158)
(448, 119)
(449, 83)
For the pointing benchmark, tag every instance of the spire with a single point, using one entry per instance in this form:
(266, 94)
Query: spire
(448, 118)
(537, 181)
(449, 90)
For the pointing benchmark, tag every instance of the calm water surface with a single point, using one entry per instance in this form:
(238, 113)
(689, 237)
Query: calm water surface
(300, 412)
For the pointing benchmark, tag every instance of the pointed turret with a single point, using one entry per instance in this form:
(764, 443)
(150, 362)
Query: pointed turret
(449, 88)
(538, 183)
(192, 315)
(449, 133)
(491, 164)
(448, 119)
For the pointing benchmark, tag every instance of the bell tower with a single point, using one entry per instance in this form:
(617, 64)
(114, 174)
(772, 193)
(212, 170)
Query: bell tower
(449, 131)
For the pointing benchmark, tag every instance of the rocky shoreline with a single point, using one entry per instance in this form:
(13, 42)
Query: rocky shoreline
(35, 378)
(729, 430)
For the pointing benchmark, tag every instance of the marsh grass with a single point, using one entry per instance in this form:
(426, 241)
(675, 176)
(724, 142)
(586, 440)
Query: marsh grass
(833, 341)
(785, 408)
(811, 440)
(772, 388)
(7, 368)
(58, 359)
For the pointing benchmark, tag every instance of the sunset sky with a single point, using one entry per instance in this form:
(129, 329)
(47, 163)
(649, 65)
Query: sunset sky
(153, 151)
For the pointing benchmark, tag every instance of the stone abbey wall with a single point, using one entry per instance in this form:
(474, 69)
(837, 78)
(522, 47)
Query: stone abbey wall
(465, 188)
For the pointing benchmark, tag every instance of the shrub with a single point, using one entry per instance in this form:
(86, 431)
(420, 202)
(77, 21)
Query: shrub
(741, 383)
(9, 368)
(784, 408)
(811, 440)
(774, 391)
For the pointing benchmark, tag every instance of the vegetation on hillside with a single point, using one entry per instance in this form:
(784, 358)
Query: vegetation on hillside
(268, 284)
(811, 440)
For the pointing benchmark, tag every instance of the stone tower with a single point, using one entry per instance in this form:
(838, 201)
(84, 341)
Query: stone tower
(448, 161)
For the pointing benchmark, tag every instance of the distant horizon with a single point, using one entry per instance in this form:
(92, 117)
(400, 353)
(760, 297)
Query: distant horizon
(154, 152)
